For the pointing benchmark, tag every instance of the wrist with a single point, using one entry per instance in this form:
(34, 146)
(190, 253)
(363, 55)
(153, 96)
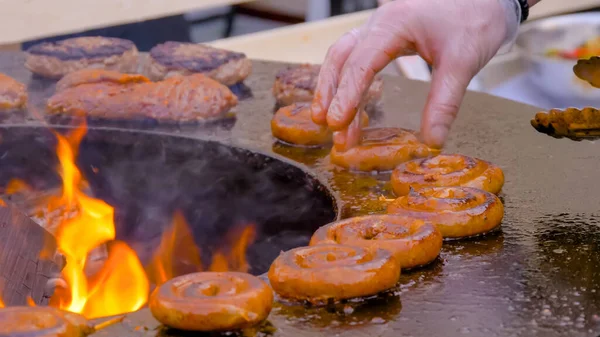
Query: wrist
(513, 17)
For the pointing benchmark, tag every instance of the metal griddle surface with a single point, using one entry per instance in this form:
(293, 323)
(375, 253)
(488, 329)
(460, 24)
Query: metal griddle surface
(539, 275)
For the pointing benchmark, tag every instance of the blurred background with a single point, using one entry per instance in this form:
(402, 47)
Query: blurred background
(538, 71)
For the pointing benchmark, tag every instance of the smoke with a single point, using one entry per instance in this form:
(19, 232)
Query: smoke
(149, 177)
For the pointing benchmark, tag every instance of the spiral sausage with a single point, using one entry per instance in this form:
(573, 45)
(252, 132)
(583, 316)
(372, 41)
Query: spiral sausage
(211, 301)
(447, 170)
(325, 272)
(456, 211)
(293, 124)
(413, 242)
(42, 322)
(382, 149)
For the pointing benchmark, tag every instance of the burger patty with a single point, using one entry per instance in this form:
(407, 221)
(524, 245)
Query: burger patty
(88, 76)
(177, 99)
(296, 84)
(178, 58)
(56, 59)
(13, 94)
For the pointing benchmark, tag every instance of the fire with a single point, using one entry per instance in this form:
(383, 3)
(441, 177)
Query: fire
(29, 300)
(16, 186)
(104, 276)
(121, 284)
(179, 254)
(235, 260)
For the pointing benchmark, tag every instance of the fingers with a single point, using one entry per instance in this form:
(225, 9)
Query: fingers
(376, 49)
(329, 75)
(448, 87)
(346, 139)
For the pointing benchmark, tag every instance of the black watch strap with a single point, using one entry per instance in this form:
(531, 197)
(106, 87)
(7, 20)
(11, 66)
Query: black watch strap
(524, 9)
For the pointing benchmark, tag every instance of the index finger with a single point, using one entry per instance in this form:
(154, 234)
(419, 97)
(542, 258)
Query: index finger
(329, 75)
(381, 44)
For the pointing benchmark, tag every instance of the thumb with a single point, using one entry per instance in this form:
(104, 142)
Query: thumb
(448, 86)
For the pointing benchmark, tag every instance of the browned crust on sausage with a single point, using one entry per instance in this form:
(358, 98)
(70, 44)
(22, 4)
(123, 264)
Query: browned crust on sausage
(178, 58)
(88, 76)
(56, 59)
(178, 99)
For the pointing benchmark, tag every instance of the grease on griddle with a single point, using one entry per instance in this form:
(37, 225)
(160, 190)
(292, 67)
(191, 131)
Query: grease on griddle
(263, 330)
(56, 59)
(377, 309)
(571, 123)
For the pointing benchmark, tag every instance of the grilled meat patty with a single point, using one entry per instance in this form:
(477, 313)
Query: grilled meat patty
(88, 76)
(296, 84)
(178, 58)
(56, 59)
(177, 99)
(13, 94)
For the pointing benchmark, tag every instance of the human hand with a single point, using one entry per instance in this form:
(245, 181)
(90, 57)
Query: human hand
(457, 37)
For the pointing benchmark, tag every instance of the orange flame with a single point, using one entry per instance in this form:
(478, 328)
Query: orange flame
(121, 285)
(15, 186)
(178, 254)
(2, 305)
(116, 283)
(176, 245)
(30, 301)
(235, 259)
(219, 263)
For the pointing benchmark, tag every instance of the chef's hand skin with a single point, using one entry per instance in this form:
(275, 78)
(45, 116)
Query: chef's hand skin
(457, 37)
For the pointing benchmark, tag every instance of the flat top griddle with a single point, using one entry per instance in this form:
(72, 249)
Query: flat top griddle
(538, 275)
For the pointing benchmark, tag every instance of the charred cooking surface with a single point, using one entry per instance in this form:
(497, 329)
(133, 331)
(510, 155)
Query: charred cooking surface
(149, 177)
(80, 48)
(506, 283)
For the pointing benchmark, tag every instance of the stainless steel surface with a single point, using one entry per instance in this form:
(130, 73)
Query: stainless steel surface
(554, 76)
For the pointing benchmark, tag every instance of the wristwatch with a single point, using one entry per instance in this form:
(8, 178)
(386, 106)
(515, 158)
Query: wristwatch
(524, 9)
(520, 9)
